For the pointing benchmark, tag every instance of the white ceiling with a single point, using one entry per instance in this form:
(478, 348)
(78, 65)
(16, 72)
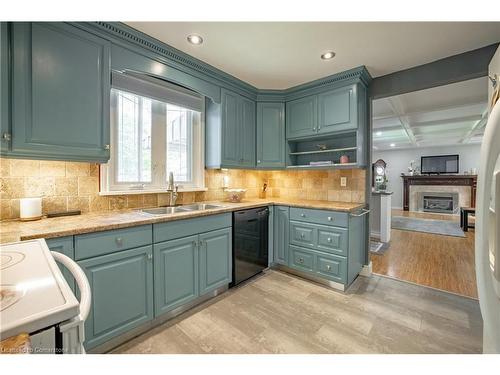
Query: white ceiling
(279, 55)
(446, 115)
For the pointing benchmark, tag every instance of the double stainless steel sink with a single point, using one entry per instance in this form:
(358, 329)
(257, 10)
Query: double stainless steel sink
(179, 209)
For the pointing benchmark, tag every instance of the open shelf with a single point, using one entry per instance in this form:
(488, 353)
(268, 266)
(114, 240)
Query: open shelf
(302, 152)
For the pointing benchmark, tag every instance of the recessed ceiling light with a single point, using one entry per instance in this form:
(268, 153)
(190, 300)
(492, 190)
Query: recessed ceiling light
(378, 133)
(195, 39)
(328, 55)
(392, 145)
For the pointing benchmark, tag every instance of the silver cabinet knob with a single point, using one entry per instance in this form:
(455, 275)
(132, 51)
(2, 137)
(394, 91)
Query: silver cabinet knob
(314, 129)
(329, 239)
(6, 137)
(330, 218)
(301, 260)
(150, 256)
(258, 161)
(195, 243)
(303, 215)
(119, 241)
(107, 147)
(328, 267)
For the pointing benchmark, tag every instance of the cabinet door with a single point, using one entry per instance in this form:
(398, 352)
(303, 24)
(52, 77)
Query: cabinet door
(230, 118)
(4, 89)
(337, 110)
(122, 293)
(64, 245)
(271, 135)
(61, 90)
(176, 273)
(215, 259)
(281, 229)
(247, 132)
(301, 117)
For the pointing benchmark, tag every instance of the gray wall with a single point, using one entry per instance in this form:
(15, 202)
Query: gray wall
(398, 162)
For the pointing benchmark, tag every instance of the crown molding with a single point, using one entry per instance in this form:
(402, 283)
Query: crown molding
(125, 35)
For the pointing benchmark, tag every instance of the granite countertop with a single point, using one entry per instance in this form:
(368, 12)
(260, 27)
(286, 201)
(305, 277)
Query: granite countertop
(15, 230)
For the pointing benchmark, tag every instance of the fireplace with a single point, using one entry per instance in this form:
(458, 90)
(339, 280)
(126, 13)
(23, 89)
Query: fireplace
(446, 203)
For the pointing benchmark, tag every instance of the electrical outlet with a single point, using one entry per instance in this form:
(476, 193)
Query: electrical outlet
(343, 181)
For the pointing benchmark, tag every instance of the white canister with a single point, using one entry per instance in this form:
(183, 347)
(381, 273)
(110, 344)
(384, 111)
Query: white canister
(30, 209)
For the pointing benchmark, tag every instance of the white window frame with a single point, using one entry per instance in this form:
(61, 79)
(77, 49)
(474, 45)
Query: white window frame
(158, 184)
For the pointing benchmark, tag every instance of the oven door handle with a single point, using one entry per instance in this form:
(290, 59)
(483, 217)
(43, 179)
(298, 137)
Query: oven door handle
(81, 280)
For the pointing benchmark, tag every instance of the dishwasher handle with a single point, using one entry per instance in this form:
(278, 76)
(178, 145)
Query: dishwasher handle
(81, 280)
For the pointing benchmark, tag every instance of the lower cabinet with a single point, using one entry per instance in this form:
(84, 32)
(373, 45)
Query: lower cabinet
(64, 245)
(327, 266)
(215, 259)
(280, 233)
(176, 273)
(189, 267)
(122, 293)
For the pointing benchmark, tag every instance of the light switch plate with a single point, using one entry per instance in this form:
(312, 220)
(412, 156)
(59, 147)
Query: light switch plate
(343, 181)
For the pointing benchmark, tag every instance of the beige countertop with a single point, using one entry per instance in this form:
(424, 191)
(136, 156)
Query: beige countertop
(15, 230)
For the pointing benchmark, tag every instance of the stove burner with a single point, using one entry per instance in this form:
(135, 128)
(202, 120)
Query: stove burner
(10, 258)
(9, 295)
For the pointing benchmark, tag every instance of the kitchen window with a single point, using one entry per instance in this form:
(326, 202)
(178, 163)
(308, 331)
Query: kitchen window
(156, 128)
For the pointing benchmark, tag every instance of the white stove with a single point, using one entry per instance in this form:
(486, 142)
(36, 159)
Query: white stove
(35, 297)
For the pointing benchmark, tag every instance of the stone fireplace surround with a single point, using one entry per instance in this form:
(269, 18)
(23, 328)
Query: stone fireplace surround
(417, 192)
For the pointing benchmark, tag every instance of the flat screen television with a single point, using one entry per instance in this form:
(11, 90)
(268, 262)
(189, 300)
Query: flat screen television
(439, 164)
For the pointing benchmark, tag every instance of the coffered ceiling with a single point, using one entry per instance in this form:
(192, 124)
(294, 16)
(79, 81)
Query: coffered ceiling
(279, 55)
(446, 115)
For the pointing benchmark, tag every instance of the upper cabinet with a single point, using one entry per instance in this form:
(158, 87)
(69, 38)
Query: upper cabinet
(302, 117)
(271, 135)
(337, 110)
(60, 93)
(325, 113)
(230, 132)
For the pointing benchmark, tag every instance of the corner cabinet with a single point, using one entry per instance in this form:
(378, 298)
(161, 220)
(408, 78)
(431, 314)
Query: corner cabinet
(230, 132)
(60, 93)
(271, 135)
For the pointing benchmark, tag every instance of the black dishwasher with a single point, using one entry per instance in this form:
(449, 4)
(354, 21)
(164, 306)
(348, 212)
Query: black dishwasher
(250, 243)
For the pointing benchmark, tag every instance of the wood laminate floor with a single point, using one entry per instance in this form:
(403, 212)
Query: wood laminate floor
(441, 262)
(281, 313)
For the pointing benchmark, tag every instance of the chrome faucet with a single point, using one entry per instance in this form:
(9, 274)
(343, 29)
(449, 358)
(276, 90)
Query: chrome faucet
(172, 190)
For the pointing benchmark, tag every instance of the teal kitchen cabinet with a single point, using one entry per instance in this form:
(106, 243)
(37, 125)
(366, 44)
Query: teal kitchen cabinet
(337, 110)
(280, 233)
(230, 132)
(4, 88)
(215, 259)
(60, 93)
(271, 135)
(247, 132)
(176, 273)
(302, 117)
(122, 293)
(64, 245)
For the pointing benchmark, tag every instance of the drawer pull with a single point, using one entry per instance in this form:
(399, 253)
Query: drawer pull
(330, 218)
(329, 239)
(195, 243)
(119, 241)
(301, 260)
(302, 235)
(328, 267)
(303, 215)
(150, 256)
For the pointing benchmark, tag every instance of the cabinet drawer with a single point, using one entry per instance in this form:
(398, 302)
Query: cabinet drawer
(332, 267)
(319, 237)
(332, 240)
(339, 219)
(301, 259)
(302, 234)
(182, 228)
(100, 243)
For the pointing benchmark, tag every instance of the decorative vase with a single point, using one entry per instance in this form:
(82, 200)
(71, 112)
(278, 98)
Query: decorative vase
(344, 159)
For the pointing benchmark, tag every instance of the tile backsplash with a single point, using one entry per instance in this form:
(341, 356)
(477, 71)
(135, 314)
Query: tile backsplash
(66, 186)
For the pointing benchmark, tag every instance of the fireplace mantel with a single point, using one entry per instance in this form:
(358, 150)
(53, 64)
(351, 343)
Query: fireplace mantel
(443, 179)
